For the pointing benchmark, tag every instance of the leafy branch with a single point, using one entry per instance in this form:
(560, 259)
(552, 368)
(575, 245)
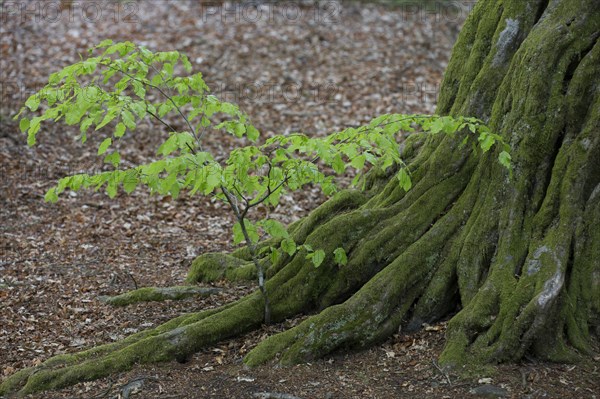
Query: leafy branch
(117, 96)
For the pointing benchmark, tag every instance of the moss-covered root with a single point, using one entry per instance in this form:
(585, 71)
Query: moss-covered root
(15, 382)
(157, 294)
(375, 311)
(216, 266)
(370, 315)
(239, 267)
(174, 340)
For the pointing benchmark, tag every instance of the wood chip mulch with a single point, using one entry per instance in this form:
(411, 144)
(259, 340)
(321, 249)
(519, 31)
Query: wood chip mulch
(294, 66)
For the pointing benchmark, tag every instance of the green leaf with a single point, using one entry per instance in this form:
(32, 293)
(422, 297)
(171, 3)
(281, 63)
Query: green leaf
(391, 128)
(317, 257)
(51, 196)
(213, 179)
(486, 141)
(288, 246)
(104, 43)
(186, 63)
(54, 78)
(85, 124)
(252, 133)
(89, 66)
(164, 108)
(359, 162)
(168, 68)
(168, 146)
(120, 129)
(239, 129)
(328, 186)
(505, 159)
(155, 167)
(18, 115)
(436, 126)
(138, 89)
(379, 120)
(113, 159)
(24, 125)
(104, 146)
(275, 229)
(76, 182)
(128, 119)
(139, 107)
(238, 234)
(404, 179)
(340, 256)
(338, 165)
(274, 256)
(33, 102)
(110, 115)
(464, 142)
(447, 124)
(111, 188)
(34, 127)
(74, 114)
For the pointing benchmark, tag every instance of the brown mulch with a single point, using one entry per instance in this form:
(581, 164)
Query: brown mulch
(295, 66)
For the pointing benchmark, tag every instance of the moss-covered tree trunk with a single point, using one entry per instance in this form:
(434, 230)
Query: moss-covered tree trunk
(518, 257)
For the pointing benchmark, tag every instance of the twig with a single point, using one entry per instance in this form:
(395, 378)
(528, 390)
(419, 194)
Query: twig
(134, 282)
(133, 385)
(437, 366)
(161, 91)
(106, 392)
(252, 247)
(274, 395)
(152, 114)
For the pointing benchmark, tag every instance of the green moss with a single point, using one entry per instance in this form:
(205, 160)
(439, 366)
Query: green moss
(375, 310)
(216, 266)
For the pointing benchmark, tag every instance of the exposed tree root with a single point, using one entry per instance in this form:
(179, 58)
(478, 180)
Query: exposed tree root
(516, 257)
(295, 288)
(175, 339)
(216, 266)
(156, 294)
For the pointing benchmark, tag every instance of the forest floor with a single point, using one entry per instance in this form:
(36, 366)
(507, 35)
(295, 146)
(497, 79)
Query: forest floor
(292, 67)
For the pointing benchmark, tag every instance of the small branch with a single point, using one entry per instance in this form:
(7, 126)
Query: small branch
(132, 279)
(274, 395)
(134, 386)
(191, 149)
(437, 366)
(106, 392)
(197, 137)
(160, 120)
(242, 197)
(161, 91)
(261, 273)
(269, 192)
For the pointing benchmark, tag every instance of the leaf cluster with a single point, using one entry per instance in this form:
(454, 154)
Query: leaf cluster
(109, 94)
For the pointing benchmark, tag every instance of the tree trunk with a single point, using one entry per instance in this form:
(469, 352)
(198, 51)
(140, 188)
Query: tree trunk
(514, 260)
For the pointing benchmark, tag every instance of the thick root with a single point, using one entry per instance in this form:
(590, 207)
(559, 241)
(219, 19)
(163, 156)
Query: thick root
(216, 266)
(156, 294)
(376, 310)
(176, 339)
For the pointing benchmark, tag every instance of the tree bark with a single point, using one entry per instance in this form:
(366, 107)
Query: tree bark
(513, 260)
